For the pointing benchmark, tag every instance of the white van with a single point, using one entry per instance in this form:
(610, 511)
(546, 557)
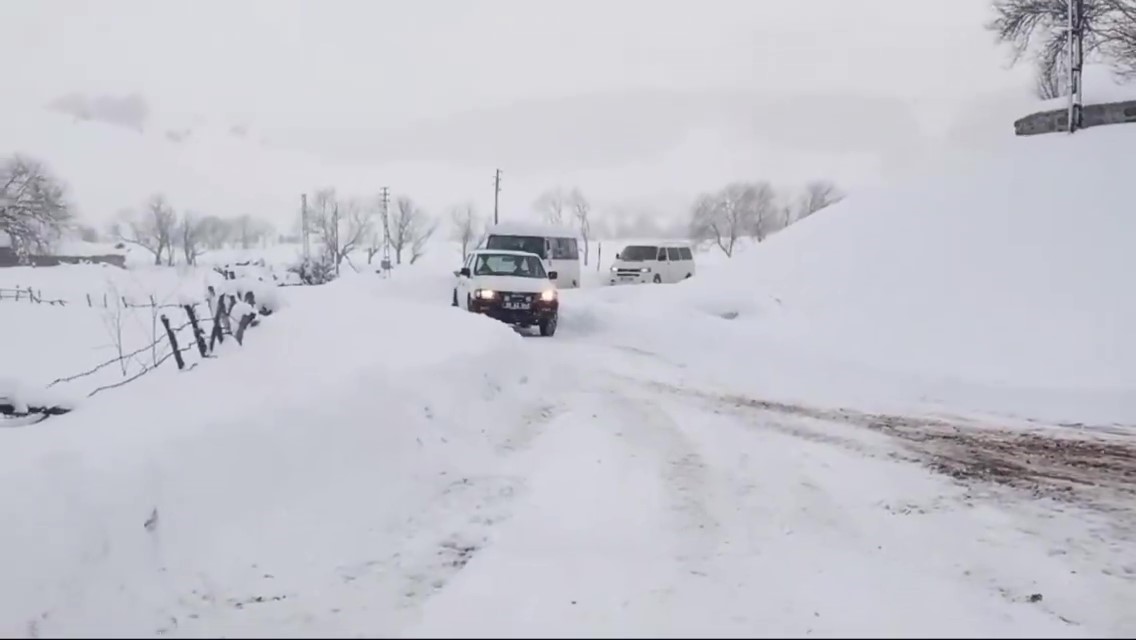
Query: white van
(556, 246)
(662, 262)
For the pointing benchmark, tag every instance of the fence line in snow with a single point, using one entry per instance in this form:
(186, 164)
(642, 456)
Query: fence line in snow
(227, 314)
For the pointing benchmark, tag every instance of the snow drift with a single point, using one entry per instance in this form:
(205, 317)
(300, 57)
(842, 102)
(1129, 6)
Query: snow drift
(185, 489)
(1013, 273)
(1005, 284)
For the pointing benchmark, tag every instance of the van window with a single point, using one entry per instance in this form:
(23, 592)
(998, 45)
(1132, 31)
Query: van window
(662, 254)
(636, 253)
(564, 249)
(531, 244)
(673, 254)
(684, 252)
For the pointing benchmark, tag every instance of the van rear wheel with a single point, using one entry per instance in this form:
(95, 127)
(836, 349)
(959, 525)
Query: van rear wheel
(658, 279)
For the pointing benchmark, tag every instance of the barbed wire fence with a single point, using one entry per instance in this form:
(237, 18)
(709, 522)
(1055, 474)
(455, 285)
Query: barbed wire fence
(227, 315)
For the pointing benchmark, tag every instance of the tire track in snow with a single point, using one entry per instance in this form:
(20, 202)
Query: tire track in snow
(683, 470)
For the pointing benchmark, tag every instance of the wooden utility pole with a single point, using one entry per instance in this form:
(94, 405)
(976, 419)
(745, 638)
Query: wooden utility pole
(1076, 34)
(335, 236)
(304, 226)
(496, 193)
(385, 263)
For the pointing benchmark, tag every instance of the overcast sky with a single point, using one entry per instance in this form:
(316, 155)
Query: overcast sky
(358, 61)
(302, 69)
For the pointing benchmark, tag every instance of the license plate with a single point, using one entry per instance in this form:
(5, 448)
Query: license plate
(516, 305)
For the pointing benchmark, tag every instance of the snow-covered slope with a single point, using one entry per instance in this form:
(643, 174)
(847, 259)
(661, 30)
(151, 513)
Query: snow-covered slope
(191, 487)
(1012, 278)
(1015, 273)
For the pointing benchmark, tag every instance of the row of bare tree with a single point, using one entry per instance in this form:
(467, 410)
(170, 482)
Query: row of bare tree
(557, 206)
(163, 232)
(343, 225)
(1036, 29)
(755, 210)
(34, 209)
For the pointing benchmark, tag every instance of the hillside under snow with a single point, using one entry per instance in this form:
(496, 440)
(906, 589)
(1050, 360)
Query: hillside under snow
(1005, 286)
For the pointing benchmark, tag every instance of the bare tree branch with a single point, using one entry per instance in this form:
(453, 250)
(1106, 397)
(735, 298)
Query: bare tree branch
(551, 205)
(191, 232)
(761, 200)
(581, 211)
(339, 230)
(33, 204)
(409, 228)
(1036, 28)
(465, 221)
(153, 229)
(818, 195)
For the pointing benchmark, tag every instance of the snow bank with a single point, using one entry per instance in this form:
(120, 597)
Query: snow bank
(186, 489)
(1013, 274)
(1003, 286)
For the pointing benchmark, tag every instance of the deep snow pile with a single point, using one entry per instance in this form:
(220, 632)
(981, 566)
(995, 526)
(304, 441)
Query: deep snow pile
(1011, 278)
(214, 483)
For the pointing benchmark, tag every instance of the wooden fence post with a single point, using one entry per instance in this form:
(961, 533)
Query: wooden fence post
(245, 320)
(173, 342)
(218, 335)
(197, 335)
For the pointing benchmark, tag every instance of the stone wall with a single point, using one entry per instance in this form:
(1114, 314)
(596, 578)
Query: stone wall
(1092, 115)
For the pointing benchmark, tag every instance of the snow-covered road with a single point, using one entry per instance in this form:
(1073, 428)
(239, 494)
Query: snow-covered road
(649, 511)
(454, 479)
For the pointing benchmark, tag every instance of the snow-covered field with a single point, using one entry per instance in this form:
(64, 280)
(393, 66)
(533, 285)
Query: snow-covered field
(910, 415)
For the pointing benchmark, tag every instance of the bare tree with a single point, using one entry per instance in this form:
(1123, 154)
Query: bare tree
(723, 217)
(410, 228)
(338, 230)
(1051, 79)
(215, 232)
(33, 204)
(761, 200)
(1036, 28)
(152, 229)
(818, 194)
(466, 224)
(581, 211)
(249, 230)
(191, 233)
(551, 205)
(1118, 35)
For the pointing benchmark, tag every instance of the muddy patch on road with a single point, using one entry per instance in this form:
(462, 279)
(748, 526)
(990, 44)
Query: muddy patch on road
(1082, 466)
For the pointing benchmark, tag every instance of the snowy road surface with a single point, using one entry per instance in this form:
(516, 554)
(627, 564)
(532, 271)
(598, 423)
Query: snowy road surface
(650, 511)
(580, 485)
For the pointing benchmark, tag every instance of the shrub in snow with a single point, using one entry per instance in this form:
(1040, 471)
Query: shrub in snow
(311, 271)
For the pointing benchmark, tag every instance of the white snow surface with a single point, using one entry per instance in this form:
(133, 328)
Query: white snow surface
(375, 462)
